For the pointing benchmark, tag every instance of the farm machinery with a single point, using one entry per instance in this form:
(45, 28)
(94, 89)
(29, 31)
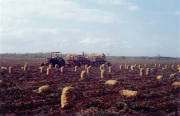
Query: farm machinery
(97, 60)
(74, 59)
(54, 58)
(93, 60)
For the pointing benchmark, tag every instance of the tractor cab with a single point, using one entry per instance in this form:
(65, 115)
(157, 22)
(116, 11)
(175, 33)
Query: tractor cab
(54, 58)
(56, 54)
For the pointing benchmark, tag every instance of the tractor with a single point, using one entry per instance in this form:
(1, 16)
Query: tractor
(55, 58)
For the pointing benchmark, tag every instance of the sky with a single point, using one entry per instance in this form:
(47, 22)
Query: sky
(114, 27)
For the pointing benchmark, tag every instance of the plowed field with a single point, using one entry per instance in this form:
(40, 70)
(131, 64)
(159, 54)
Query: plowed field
(19, 96)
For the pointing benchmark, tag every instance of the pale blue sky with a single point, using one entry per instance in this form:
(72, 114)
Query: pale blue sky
(117, 27)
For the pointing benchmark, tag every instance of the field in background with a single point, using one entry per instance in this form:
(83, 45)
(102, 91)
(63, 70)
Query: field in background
(39, 57)
(157, 97)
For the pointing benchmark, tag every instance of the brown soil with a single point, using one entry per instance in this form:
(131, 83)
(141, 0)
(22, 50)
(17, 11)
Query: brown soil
(18, 94)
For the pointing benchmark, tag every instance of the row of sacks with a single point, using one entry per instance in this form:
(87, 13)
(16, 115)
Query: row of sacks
(68, 93)
(138, 66)
(173, 75)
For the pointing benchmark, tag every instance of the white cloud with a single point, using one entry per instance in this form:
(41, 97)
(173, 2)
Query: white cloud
(124, 41)
(52, 39)
(11, 31)
(167, 12)
(133, 7)
(37, 39)
(125, 3)
(115, 2)
(24, 10)
(177, 12)
(94, 40)
(17, 16)
(20, 32)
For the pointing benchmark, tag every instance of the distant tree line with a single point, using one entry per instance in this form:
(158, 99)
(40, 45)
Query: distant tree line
(44, 55)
